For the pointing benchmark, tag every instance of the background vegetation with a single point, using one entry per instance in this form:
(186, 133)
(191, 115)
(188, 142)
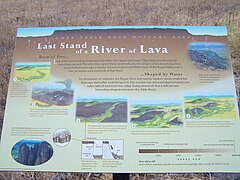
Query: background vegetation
(31, 13)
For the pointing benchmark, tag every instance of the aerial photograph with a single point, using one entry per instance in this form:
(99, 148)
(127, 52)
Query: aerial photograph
(209, 55)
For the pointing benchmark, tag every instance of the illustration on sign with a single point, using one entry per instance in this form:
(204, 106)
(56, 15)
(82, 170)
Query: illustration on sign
(129, 99)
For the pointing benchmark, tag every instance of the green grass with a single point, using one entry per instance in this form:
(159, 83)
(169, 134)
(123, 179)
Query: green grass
(224, 108)
(100, 117)
(160, 120)
(33, 74)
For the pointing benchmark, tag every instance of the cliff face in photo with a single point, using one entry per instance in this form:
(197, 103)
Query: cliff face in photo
(44, 153)
(23, 154)
(38, 153)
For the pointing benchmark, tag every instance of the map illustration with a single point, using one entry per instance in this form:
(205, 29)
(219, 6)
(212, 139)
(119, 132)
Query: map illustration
(207, 55)
(167, 115)
(200, 107)
(32, 71)
(101, 110)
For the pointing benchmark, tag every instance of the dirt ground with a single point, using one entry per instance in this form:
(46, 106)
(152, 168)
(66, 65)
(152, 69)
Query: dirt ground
(30, 13)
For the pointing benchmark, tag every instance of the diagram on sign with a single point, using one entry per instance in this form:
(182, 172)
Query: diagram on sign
(209, 107)
(156, 115)
(32, 71)
(101, 110)
(62, 137)
(102, 149)
(58, 94)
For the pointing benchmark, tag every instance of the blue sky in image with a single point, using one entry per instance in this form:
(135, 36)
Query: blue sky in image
(209, 96)
(195, 30)
(31, 141)
(102, 99)
(156, 102)
(33, 63)
(57, 86)
(207, 45)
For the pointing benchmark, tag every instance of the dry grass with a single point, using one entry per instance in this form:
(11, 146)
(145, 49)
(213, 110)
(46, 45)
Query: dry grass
(30, 13)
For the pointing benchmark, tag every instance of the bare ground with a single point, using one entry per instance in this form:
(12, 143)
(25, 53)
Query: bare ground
(30, 13)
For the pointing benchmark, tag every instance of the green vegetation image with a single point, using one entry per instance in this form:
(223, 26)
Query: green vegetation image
(32, 71)
(200, 107)
(167, 115)
(102, 110)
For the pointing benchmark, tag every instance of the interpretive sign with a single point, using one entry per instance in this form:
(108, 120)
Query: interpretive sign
(121, 99)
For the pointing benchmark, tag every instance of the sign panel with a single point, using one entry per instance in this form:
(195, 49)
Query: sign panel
(121, 99)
